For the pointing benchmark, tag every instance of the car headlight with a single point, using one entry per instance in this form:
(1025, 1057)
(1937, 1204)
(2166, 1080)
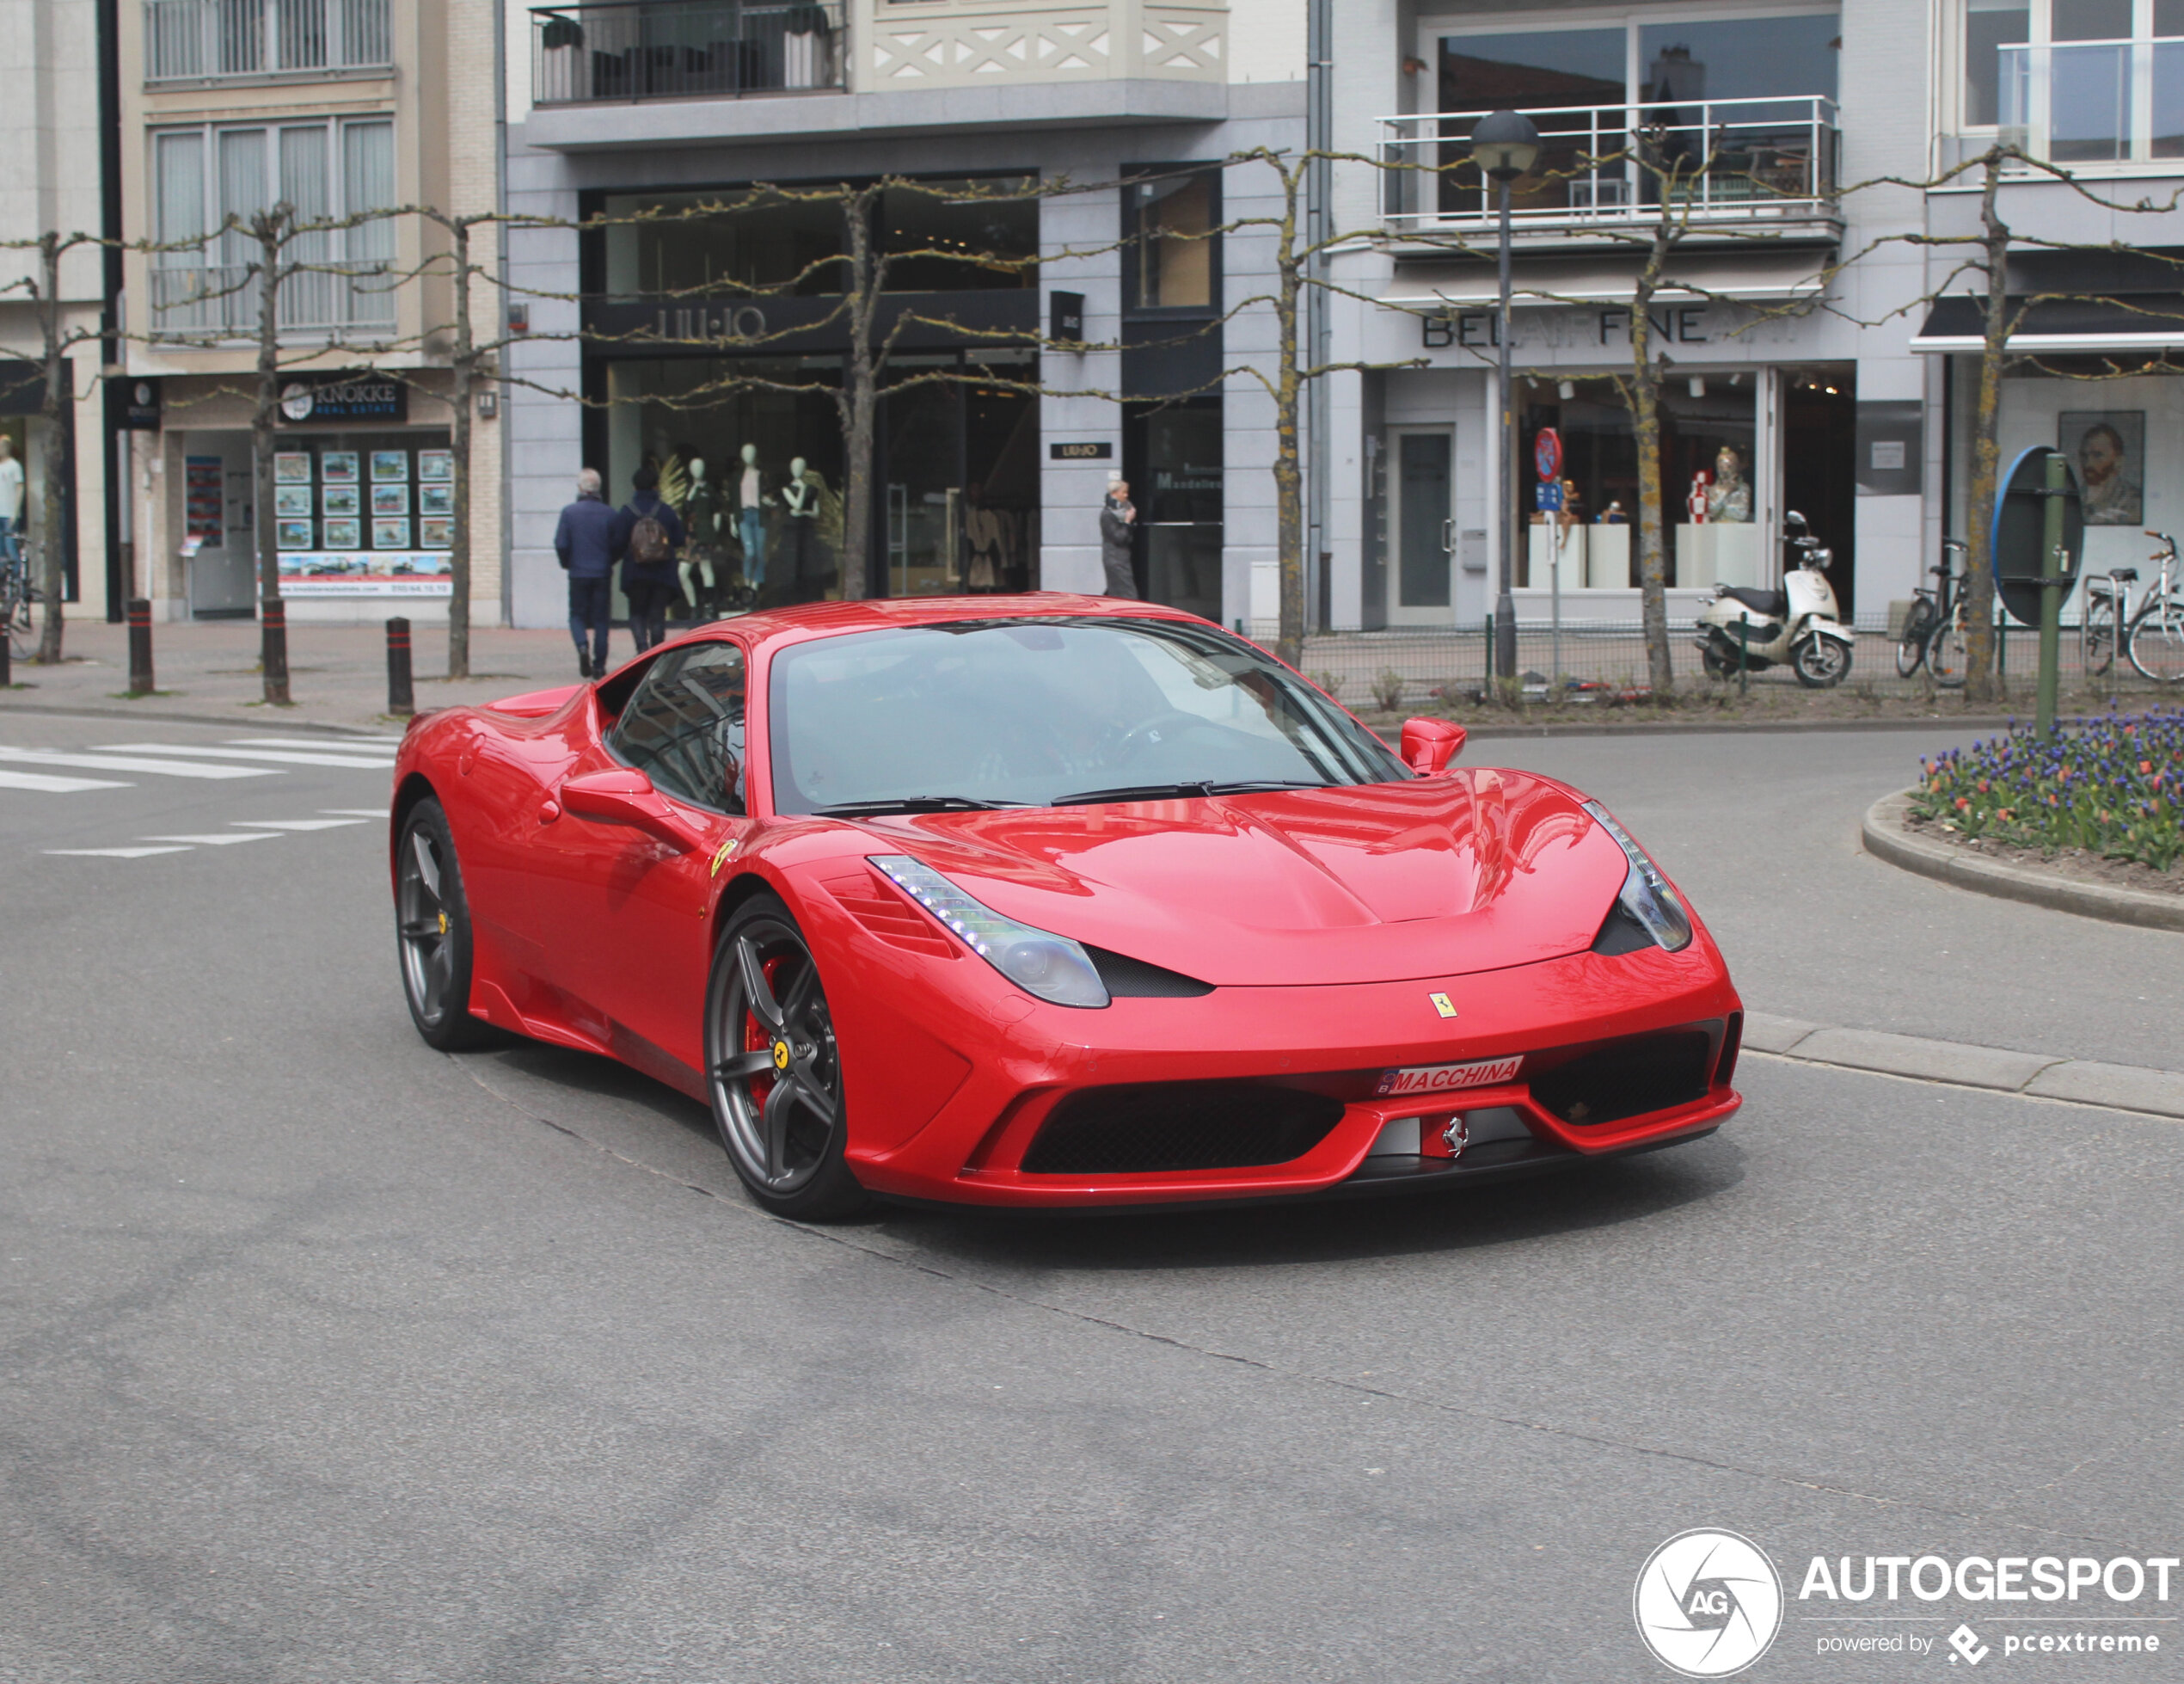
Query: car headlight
(1052, 967)
(1645, 894)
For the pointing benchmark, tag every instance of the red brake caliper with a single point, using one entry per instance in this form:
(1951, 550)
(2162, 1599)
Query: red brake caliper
(755, 1038)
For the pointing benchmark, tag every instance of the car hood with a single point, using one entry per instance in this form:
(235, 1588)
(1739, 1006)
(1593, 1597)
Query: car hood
(1473, 871)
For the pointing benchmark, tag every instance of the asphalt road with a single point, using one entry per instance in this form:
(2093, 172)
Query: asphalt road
(324, 1357)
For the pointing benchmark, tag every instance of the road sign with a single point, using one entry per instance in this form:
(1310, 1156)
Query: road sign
(2020, 533)
(1547, 454)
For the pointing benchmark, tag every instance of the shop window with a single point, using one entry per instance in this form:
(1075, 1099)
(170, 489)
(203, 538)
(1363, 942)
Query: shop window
(1172, 222)
(1173, 456)
(945, 237)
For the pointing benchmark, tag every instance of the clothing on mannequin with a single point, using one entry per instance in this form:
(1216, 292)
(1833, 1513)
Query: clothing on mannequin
(800, 502)
(701, 519)
(11, 494)
(752, 499)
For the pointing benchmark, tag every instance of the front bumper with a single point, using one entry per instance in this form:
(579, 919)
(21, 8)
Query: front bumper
(1332, 1041)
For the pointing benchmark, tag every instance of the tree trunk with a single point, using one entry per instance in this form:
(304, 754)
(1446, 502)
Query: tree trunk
(1289, 472)
(52, 410)
(1979, 684)
(1653, 554)
(464, 371)
(859, 401)
(270, 229)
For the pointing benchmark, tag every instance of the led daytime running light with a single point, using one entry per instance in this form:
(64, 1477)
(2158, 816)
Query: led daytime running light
(1052, 967)
(1646, 894)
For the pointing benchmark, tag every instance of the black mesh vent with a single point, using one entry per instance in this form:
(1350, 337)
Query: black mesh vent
(1133, 979)
(1726, 1071)
(1171, 1126)
(1628, 1078)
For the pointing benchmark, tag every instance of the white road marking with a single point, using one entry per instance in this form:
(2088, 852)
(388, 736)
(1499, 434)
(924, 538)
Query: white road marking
(293, 824)
(56, 786)
(221, 839)
(358, 812)
(286, 756)
(114, 853)
(53, 757)
(334, 745)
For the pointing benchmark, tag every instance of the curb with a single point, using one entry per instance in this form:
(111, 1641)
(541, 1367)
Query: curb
(141, 716)
(1885, 838)
(1719, 728)
(2115, 1087)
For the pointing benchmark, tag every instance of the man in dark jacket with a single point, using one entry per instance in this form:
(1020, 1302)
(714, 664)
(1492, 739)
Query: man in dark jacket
(581, 541)
(1117, 523)
(648, 536)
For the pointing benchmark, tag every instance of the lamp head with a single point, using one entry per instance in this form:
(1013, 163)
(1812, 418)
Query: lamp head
(1505, 145)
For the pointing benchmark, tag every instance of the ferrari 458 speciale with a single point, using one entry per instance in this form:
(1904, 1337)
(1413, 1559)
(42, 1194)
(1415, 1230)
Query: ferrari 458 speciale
(1049, 901)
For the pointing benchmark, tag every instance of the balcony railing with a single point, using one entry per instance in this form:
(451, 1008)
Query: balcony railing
(1719, 161)
(220, 301)
(189, 40)
(677, 49)
(2114, 102)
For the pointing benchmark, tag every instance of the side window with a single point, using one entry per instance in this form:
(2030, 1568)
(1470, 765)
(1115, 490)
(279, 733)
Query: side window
(684, 726)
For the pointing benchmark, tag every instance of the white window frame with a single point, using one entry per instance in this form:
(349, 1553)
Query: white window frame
(2039, 35)
(239, 308)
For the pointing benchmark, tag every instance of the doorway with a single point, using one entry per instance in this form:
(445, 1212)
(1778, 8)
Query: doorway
(1819, 419)
(218, 507)
(1172, 458)
(1421, 521)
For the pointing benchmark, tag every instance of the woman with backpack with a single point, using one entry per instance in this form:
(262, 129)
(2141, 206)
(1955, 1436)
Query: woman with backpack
(647, 535)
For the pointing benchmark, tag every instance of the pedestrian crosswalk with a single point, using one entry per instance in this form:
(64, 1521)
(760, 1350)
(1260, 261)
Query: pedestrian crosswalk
(240, 830)
(58, 771)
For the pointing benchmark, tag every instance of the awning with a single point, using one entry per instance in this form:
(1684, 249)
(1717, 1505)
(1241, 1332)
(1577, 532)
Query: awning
(1754, 278)
(2134, 324)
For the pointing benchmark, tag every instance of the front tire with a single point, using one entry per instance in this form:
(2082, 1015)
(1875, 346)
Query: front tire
(1910, 647)
(773, 1070)
(2156, 645)
(1948, 656)
(1820, 663)
(432, 931)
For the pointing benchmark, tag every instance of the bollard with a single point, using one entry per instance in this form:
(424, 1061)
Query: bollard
(7, 675)
(401, 693)
(140, 680)
(1490, 652)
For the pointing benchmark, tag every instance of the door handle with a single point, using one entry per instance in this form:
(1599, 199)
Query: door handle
(1448, 536)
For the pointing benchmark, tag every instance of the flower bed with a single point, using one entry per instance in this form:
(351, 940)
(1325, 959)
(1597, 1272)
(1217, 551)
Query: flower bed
(2104, 786)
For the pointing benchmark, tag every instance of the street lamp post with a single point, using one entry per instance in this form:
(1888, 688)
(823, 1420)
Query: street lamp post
(1505, 145)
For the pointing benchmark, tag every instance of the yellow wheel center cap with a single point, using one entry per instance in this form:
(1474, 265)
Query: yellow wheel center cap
(443, 924)
(781, 1055)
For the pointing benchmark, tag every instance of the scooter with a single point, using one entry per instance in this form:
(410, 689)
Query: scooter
(1799, 623)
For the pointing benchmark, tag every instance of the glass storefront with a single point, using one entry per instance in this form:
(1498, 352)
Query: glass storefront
(1172, 459)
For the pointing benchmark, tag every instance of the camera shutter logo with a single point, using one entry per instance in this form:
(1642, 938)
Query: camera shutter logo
(1707, 1603)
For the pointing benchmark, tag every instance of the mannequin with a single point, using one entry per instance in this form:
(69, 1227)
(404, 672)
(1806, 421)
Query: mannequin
(751, 501)
(801, 500)
(1729, 500)
(702, 520)
(10, 499)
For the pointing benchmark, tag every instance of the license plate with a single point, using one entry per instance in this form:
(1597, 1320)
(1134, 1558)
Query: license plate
(1443, 1078)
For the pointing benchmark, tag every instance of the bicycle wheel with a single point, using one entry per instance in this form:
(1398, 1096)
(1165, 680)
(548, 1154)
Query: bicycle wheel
(2099, 635)
(18, 608)
(1910, 645)
(2156, 642)
(1948, 654)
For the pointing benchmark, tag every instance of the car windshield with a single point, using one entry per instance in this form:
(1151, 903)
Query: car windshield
(1048, 712)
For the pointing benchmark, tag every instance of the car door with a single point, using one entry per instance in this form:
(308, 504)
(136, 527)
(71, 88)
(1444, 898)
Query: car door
(636, 950)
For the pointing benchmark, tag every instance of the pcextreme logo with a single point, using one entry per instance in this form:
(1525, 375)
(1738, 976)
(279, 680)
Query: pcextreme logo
(1707, 1603)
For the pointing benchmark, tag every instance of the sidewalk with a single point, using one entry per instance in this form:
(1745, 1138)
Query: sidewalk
(207, 672)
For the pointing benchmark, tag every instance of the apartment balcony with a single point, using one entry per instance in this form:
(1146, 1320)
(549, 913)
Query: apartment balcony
(628, 74)
(2095, 102)
(202, 41)
(1732, 168)
(219, 302)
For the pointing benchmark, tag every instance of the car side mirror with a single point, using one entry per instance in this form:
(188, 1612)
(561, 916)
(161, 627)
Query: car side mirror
(622, 796)
(1430, 744)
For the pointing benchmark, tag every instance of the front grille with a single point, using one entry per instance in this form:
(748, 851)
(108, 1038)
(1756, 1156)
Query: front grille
(1164, 1127)
(1629, 1078)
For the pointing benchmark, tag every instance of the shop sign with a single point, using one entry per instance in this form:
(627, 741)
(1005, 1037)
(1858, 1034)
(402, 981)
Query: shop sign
(310, 573)
(1094, 450)
(353, 395)
(141, 413)
(1480, 330)
(782, 325)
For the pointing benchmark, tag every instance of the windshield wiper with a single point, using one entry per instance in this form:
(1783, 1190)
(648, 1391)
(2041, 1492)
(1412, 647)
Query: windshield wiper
(854, 810)
(1183, 792)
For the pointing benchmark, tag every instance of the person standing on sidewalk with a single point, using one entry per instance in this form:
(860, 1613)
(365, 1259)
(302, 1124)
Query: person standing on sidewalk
(1118, 525)
(647, 533)
(583, 541)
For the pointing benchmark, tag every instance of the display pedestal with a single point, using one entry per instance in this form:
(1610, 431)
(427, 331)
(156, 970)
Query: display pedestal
(1543, 551)
(1607, 558)
(1722, 554)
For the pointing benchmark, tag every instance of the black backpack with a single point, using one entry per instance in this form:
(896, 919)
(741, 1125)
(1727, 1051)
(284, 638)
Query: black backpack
(648, 544)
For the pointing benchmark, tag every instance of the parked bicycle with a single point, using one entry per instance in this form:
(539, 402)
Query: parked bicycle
(19, 601)
(1933, 631)
(2153, 636)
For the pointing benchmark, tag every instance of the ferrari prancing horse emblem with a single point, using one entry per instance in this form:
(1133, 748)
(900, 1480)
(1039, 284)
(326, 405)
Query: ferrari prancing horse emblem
(1443, 1004)
(781, 1055)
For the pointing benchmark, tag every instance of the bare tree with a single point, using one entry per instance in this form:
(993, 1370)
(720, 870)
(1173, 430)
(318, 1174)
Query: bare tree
(56, 395)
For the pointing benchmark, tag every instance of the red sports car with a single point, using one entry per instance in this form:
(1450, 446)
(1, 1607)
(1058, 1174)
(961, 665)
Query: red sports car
(1050, 900)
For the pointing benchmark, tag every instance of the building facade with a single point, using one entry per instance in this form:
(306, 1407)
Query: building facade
(342, 110)
(1058, 180)
(1811, 362)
